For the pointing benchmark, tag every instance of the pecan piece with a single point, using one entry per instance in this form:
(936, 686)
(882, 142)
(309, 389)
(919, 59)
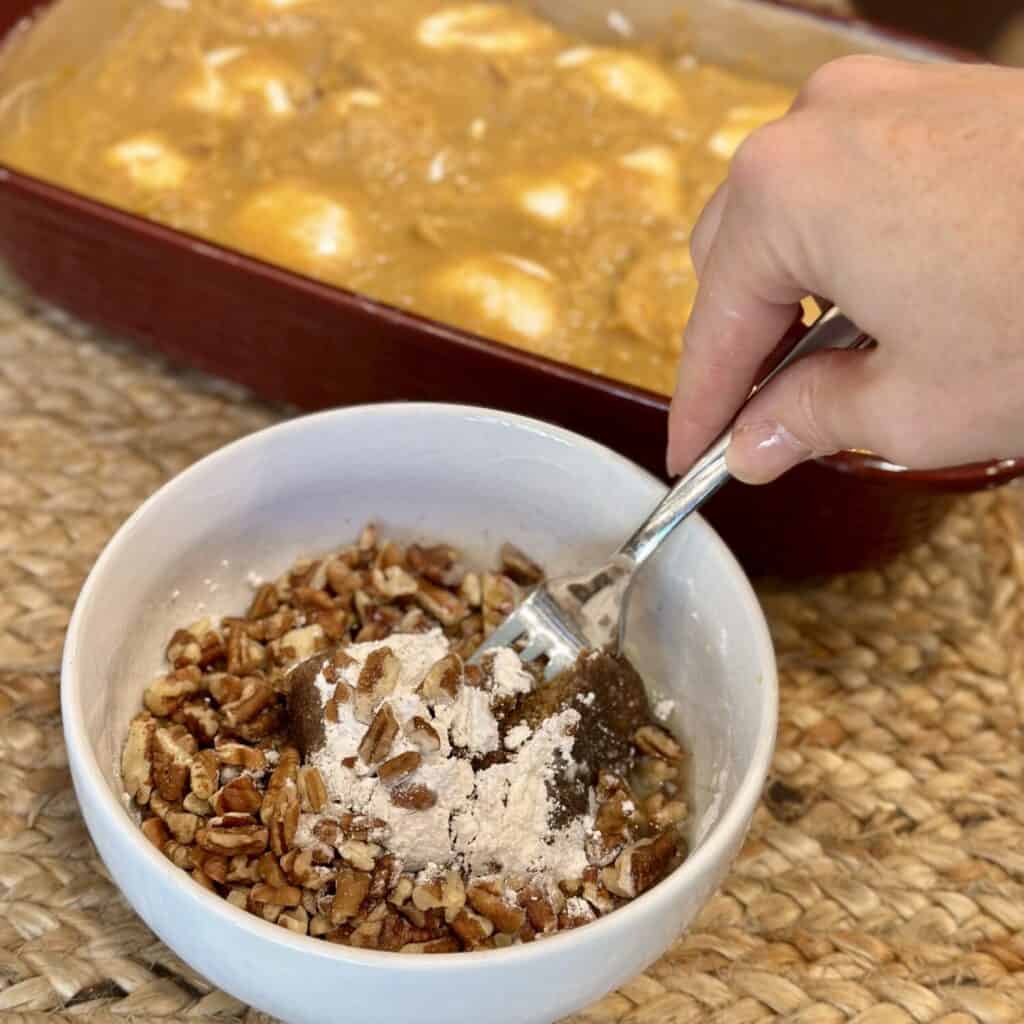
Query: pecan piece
(244, 654)
(516, 565)
(312, 791)
(394, 582)
(440, 564)
(645, 863)
(264, 602)
(446, 944)
(239, 796)
(201, 720)
(399, 768)
(376, 743)
(423, 734)
(359, 854)
(379, 674)
(413, 796)
(239, 755)
(173, 749)
(485, 899)
(471, 928)
(441, 603)
(350, 889)
(442, 681)
(224, 687)
(653, 740)
(166, 695)
(279, 895)
(233, 834)
(137, 759)
(256, 695)
(156, 832)
(204, 774)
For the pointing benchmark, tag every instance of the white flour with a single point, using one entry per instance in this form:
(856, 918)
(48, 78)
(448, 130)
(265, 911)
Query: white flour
(494, 821)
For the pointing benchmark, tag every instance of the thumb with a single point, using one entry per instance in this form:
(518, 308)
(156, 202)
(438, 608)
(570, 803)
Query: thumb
(823, 403)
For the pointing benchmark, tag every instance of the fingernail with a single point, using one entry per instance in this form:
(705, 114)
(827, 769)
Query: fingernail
(760, 452)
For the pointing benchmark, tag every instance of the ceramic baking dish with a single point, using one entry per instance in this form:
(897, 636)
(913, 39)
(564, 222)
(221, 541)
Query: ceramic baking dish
(293, 339)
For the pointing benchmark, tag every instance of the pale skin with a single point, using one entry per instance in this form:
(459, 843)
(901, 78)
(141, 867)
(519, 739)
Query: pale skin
(895, 190)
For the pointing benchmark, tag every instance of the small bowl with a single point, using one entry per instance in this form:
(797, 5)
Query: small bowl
(474, 478)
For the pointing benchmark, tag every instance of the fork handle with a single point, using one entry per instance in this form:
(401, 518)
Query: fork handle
(831, 330)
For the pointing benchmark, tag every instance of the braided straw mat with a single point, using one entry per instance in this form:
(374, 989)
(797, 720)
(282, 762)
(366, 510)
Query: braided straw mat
(883, 880)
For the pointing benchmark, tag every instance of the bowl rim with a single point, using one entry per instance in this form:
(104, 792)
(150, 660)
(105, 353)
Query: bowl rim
(112, 814)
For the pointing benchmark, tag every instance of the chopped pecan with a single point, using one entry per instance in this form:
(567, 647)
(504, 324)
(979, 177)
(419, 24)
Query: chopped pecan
(446, 944)
(518, 566)
(471, 928)
(173, 749)
(201, 720)
(287, 771)
(350, 889)
(244, 654)
(256, 695)
(644, 863)
(239, 795)
(335, 623)
(178, 854)
(393, 582)
(402, 891)
(380, 672)
(471, 590)
(453, 895)
(413, 796)
(233, 834)
(311, 600)
(398, 769)
(242, 869)
(376, 743)
(265, 724)
(195, 805)
(653, 740)
(299, 644)
(204, 774)
(137, 758)
(500, 596)
(440, 564)
(359, 854)
(312, 791)
(441, 603)
(166, 695)
(264, 602)
(664, 813)
(486, 899)
(183, 649)
(442, 681)
(156, 832)
(423, 734)
(280, 895)
(224, 687)
(539, 911)
(203, 879)
(240, 755)
(428, 895)
(295, 920)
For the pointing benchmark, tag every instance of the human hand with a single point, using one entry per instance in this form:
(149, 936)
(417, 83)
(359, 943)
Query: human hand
(896, 191)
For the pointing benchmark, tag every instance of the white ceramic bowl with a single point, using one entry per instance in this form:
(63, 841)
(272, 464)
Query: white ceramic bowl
(474, 478)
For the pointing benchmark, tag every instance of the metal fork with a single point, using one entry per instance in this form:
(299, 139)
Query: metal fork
(564, 616)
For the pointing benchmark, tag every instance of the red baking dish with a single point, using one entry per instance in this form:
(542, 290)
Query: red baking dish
(293, 339)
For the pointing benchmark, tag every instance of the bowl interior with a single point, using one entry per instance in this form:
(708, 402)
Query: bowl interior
(466, 476)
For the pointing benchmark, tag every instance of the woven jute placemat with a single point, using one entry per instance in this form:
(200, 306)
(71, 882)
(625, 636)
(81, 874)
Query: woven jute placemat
(883, 880)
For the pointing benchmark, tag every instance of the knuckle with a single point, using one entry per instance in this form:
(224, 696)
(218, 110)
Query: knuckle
(838, 78)
(764, 159)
